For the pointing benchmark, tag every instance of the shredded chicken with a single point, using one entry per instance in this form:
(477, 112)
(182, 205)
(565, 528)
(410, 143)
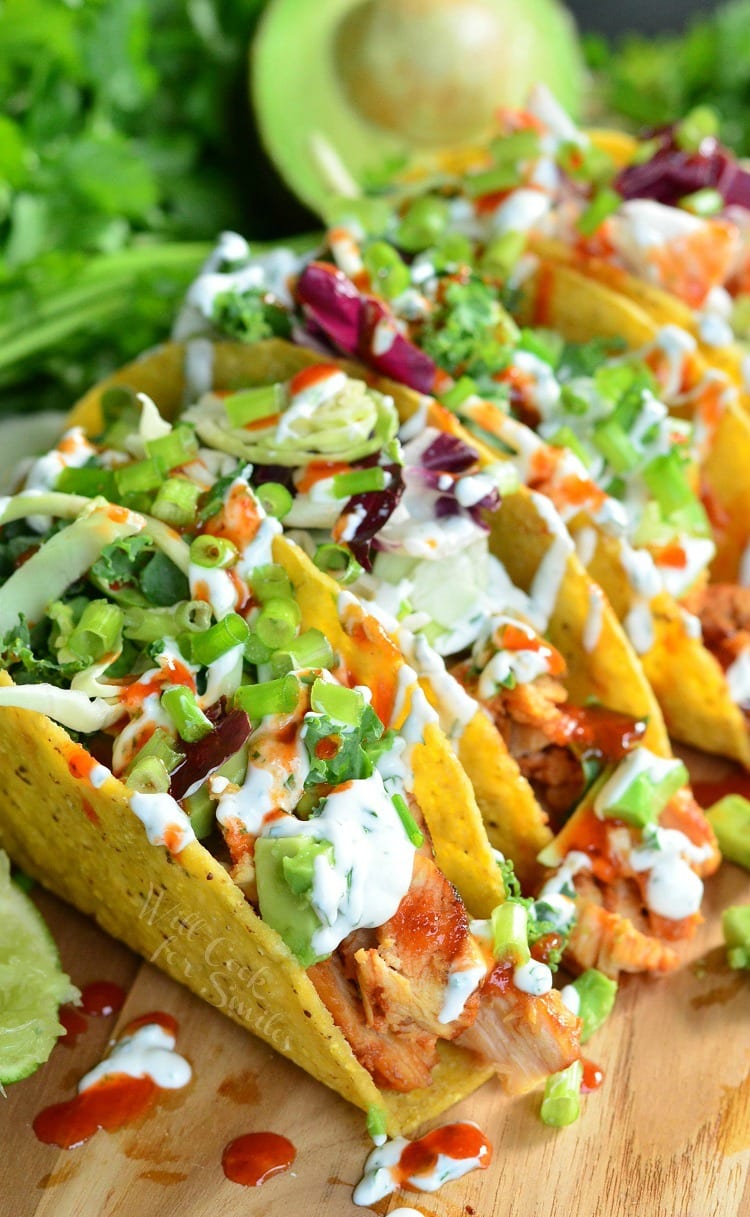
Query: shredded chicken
(610, 942)
(535, 727)
(724, 612)
(526, 1038)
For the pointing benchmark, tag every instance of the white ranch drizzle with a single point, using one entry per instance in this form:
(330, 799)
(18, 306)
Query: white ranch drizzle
(146, 1053)
(379, 1179)
(163, 819)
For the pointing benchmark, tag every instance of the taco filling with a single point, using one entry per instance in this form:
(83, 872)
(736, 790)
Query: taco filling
(146, 606)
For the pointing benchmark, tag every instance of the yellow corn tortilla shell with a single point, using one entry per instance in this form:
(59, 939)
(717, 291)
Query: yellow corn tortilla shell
(186, 915)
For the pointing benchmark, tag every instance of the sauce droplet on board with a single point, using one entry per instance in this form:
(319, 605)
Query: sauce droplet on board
(110, 1104)
(256, 1157)
(102, 998)
(593, 1076)
(74, 1023)
(111, 1099)
(456, 1141)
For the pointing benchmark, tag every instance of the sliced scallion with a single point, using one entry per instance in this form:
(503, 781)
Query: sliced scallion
(359, 481)
(252, 405)
(338, 562)
(183, 709)
(278, 696)
(213, 553)
(411, 828)
(230, 632)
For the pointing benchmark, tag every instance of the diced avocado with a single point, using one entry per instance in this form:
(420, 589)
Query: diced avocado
(735, 925)
(597, 997)
(347, 91)
(730, 820)
(641, 802)
(284, 874)
(201, 807)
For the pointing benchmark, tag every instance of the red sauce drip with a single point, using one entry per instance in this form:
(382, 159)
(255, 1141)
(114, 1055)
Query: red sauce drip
(167, 1021)
(500, 979)
(314, 375)
(255, 1158)
(457, 1141)
(736, 782)
(544, 946)
(74, 1023)
(102, 997)
(516, 639)
(326, 749)
(110, 1104)
(606, 732)
(90, 813)
(80, 762)
(593, 1076)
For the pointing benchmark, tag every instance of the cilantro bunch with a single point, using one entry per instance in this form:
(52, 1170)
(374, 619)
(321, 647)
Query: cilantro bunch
(120, 128)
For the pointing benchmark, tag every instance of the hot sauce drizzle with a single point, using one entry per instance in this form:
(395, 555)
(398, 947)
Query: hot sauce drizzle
(102, 998)
(256, 1157)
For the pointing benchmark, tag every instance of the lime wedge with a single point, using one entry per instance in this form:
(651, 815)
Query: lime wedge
(32, 984)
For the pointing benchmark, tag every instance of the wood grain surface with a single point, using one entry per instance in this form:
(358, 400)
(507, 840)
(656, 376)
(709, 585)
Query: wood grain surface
(668, 1134)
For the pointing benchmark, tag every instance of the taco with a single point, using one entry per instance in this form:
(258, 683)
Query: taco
(420, 302)
(527, 636)
(189, 715)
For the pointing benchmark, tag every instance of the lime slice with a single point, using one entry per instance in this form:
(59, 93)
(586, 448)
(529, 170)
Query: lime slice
(32, 984)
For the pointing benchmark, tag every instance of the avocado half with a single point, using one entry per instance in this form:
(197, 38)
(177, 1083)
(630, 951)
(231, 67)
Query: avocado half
(348, 93)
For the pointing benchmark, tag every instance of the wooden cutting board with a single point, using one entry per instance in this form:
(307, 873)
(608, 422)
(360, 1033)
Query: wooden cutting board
(667, 1135)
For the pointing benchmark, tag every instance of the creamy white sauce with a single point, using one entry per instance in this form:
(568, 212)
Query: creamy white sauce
(545, 386)
(148, 716)
(521, 211)
(455, 707)
(99, 775)
(561, 882)
(147, 1053)
(550, 573)
(586, 541)
(379, 1180)
(533, 977)
(673, 889)
(259, 551)
(592, 630)
(522, 666)
(699, 552)
(461, 985)
(372, 860)
(215, 585)
(641, 761)
(738, 679)
(72, 452)
(274, 780)
(383, 337)
(224, 677)
(571, 999)
(304, 404)
(163, 819)
(199, 368)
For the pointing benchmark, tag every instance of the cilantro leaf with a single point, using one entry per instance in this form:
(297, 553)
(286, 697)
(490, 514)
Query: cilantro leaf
(249, 317)
(341, 752)
(470, 333)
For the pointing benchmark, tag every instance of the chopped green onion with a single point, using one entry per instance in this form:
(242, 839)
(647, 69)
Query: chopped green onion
(251, 405)
(309, 650)
(604, 203)
(561, 1104)
(337, 702)
(596, 994)
(176, 502)
(643, 799)
(183, 709)
(425, 221)
(520, 146)
(376, 1123)
(151, 624)
(667, 480)
(359, 481)
(178, 447)
(87, 480)
(411, 828)
(161, 746)
(615, 446)
(139, 477)
(270, 582)
(338, 562)
(510, 936)
(213, 553)
(276, 625)
(706, 202)
(278, 696)
(374, 216)
(386, 268)
(565, 437)
(149, 776)
(545, 344)
(275, 499)
(699, 124)
(585, 162)
(502, 253)
(458, 393)
(491, 181)
(97, 632)
(735, 926)
(257, 652)
(230, 632)
(452, 249)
